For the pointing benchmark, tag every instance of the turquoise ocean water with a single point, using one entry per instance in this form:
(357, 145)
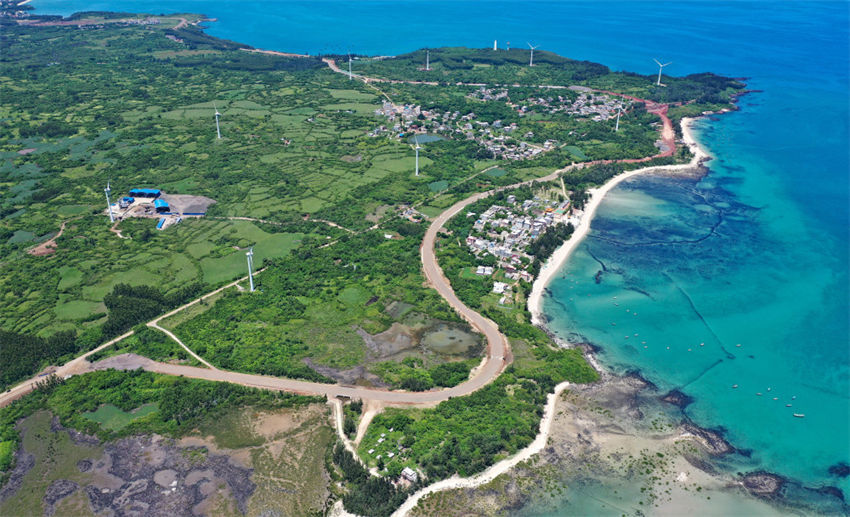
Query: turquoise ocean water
(755, 253)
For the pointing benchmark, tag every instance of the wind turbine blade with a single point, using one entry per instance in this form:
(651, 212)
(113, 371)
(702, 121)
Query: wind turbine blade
(657, 62)
(665, 64)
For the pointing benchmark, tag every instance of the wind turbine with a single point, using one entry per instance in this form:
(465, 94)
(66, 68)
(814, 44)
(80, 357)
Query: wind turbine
(531, 57)
(250, 256)
(509, 46)
(617, 127)
(660, 68)
(217, 128)
(108, 203)
(417, 154)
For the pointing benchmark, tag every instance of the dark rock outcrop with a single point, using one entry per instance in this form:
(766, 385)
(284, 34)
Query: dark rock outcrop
(764, 484)
(841, 470)
(678, 399)
(58, 490)
(713, 440)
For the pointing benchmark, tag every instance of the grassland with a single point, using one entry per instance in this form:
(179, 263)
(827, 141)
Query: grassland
(114, 419)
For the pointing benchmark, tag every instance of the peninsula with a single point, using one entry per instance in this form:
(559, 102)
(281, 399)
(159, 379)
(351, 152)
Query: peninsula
(400, 212)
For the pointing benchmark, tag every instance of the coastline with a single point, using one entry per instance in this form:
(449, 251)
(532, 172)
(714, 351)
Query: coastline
(545, 276)
(559, 257)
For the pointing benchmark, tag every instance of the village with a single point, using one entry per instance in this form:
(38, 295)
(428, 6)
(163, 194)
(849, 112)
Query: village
(496, 137)
(506, 231)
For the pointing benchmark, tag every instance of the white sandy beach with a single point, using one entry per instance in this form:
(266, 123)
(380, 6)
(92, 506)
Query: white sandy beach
(551, 267)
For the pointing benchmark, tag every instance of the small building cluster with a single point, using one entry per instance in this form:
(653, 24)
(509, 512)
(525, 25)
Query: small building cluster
(597, 106)
(391, 440)
(506, 231)
(501, 140)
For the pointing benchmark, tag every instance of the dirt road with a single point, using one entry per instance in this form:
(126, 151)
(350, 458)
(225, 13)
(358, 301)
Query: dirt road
(47, 247)
(498, 348)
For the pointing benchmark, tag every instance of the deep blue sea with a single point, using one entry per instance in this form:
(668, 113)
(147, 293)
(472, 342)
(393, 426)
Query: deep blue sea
(755, 254)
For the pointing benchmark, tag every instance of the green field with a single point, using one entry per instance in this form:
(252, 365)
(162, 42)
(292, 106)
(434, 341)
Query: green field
(114, 419)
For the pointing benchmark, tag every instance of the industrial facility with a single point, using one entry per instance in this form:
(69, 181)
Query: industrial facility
(152, 203)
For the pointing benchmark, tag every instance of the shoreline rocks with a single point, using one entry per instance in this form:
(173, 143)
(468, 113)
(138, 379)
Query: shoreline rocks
(763, 484)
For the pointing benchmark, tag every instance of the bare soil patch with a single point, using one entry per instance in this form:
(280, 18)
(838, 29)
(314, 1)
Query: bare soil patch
(49, 246)
(351, 158)
(187, 204)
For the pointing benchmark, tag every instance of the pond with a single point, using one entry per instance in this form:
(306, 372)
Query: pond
(424, 139)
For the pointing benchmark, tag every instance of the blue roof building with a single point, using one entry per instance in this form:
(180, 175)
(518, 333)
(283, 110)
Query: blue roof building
(161, 205)
(145, 192)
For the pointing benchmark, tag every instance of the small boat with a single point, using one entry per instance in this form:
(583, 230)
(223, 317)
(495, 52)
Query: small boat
(794, 397)
(787, 405)
(759, 394)
(734, 386)
(799, 415)
(775, 398)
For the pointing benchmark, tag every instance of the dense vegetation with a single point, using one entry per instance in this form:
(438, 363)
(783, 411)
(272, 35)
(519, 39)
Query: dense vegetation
(21, 355)
(409, 374)
(366, 495)
(455, 64)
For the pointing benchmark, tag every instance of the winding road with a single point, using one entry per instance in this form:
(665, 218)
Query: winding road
(498, 347)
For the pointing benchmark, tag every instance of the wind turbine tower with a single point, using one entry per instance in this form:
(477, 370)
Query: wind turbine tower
(108, 203)
(217, 128)
(617, 127)
(350, 77)
(427, 60)
(495, 45)
(250, 256)
(417, 154)
(531, 57)
(660, 68)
